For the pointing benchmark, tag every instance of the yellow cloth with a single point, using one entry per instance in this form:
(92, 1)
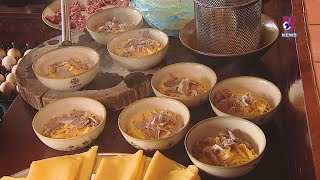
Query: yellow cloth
(57, 168)
(163, 168)
(142, 168)
(124, 167)
(89, 158)
(11, 178)
(191, 173)
(159, 166)
(73, 167)
(145, 168)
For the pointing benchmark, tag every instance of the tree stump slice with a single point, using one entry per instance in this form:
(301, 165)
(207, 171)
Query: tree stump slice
(114, 86)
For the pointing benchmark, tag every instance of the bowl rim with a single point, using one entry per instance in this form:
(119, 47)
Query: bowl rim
(37, 73)
(225, 118)
(165, 46)
(258, 49)
(154, 98)
(181, 64)
(241, 77)
(52, 4)
(116, 9)
(102, 123)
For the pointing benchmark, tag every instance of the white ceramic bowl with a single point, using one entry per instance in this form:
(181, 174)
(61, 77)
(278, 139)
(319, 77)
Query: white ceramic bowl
(63, 106)
(148, 104)
(141, 63)
(211, 127)
(261, 87)
(72, 83)
(124, 14)
(186, 69)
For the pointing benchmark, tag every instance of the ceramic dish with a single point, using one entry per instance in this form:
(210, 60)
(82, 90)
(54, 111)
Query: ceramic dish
(63, 106)
(141, 63)
(51, 10)
(211, 127)
(190, 70)
(54, 7)
(141, 106)
(123, 14)
(41, 65)
(260, 87)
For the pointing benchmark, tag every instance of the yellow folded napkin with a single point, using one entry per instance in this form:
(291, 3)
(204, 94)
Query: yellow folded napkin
(143, 169)
(160, 166)
(62, 168)
(11, 178)
(89, 159)
(163, 168)
(123, 167)
(72, 167)
(191, 173)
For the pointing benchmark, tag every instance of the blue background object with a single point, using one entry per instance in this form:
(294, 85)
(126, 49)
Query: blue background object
(166, 15)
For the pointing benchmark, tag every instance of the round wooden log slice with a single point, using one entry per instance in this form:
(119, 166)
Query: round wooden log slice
(114, 86)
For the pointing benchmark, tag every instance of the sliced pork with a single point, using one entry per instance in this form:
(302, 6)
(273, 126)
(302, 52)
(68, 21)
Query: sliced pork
(75, 119)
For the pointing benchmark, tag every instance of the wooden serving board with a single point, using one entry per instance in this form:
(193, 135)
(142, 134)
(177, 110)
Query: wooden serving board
(114, 86)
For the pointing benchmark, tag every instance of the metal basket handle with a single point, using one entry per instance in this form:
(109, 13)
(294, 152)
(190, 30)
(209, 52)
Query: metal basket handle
(65, 22)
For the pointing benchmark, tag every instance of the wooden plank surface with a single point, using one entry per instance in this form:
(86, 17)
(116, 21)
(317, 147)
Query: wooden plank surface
(114, 86)
(313, 24)
(311, 93)
(312, 11)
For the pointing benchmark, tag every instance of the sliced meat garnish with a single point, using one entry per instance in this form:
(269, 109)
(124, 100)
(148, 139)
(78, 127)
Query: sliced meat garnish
(63, 72)
(141, 125)
(93, 121)
(53, 125)
(114, 26)
(64, 68)
(80, 123)
(78, 113)
(182, 87)
(159, 125)
(141, 46)
(172, 82)
(75, 119)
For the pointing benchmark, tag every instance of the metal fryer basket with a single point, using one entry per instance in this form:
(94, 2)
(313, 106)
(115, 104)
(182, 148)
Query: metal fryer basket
(227, 26)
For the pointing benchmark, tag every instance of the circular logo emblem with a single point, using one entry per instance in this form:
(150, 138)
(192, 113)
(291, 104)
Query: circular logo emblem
(74, 81)
(286, 25)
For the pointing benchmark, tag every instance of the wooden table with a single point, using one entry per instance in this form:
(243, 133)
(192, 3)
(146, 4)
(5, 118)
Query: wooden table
(313, 26)
(293, 139)
(20, 146)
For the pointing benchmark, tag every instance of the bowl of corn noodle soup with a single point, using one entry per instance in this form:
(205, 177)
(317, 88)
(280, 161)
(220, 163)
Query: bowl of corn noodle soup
(251, 98)
(69, 68)
(108, 23)
(155, 123)
(226, 147)
(139, 49)
(189, 83)
(70, 123)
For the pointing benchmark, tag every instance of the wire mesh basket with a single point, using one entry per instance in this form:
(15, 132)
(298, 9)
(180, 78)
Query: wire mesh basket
(227, 26)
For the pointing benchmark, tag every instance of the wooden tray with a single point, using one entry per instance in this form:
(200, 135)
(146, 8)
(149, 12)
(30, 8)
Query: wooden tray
(114, 86)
